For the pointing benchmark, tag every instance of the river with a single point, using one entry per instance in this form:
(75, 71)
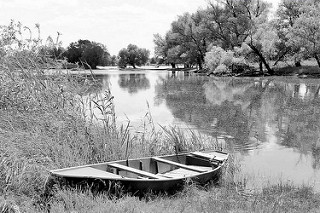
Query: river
(272, 125)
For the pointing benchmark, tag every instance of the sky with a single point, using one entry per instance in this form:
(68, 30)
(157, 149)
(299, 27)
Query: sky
(114, 23)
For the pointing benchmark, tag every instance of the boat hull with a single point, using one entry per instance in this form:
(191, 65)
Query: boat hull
(164, 176)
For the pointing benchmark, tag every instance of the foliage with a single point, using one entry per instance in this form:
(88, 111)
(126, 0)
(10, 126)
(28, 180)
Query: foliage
(87, 53)
(287, 14)
(305, 32)
(186, 42)
(113, 60)
(133, 55)
(44, 119)
(226, 24)
(280, 198)
(218, 60)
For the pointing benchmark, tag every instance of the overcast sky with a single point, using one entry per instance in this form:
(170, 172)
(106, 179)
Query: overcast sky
(115, 23)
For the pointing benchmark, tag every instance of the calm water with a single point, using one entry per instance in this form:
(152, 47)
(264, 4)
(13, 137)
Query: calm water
(273, 125)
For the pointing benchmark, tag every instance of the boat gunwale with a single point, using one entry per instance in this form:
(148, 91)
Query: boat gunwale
(52, 172)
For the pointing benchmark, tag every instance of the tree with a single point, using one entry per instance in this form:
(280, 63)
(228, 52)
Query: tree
(168, 49)
(186, 42)
(233, 22)
(305, 32)
(91, 54)
(133, 55)
(113, 61)
(287, 14)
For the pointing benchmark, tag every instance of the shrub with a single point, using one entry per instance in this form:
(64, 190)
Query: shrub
(218, 58)
(213, 58)
(221, 69)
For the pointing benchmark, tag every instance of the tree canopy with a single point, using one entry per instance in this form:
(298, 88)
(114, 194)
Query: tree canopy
(247, 28)
(133, 55)
(87, 53)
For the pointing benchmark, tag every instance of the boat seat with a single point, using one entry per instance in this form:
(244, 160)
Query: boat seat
(87, 172)
(135, 171)
(209, 156)
(191, 168)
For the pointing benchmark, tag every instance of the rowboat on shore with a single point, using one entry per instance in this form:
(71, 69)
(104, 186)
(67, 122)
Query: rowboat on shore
(163, 173)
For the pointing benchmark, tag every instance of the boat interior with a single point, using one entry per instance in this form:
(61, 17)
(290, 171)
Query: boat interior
(164, 167)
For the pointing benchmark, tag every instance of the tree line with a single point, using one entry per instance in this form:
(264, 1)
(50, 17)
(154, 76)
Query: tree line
(227, 34)
(91, 54)
(17, 38)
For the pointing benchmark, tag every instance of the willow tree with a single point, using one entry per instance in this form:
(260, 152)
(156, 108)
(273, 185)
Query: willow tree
(288, 13)
(133, 55)
(234, 22)
(305, 32)
(186, 42)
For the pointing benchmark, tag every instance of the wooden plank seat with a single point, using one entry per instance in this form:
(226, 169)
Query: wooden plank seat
(135, 171)
(191, 168)
(208, 156)
(180, 173)
(89, 172)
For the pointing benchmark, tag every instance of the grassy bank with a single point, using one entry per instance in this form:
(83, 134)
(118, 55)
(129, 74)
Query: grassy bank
(50, 121)
(192, 199)
(55, 121)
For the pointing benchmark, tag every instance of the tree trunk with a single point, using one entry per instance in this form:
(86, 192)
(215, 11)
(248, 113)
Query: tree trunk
(297, 64)
(133, 65)
(173, 65)
(261, 66)
(281, 57)
(262, 59)
(317, 59)
(199, 63)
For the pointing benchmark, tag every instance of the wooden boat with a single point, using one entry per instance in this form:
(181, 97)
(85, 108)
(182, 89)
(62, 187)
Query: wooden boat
(164, 173)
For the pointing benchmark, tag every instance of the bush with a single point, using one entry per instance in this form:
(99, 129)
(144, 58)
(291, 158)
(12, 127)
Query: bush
(220, 61)
(213, 58)
(219, 58)
(221, 69)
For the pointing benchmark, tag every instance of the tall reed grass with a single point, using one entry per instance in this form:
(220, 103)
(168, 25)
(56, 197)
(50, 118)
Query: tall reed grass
(50, 119)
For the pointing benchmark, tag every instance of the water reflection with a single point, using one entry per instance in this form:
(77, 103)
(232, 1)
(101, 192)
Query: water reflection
(260, 114)
(274, 124)
(133, 82)
(245, 108)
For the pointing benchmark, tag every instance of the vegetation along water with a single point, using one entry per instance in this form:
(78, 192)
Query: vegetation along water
(53, 118)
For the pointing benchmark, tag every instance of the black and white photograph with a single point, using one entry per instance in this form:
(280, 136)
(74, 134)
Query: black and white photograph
(152, 106)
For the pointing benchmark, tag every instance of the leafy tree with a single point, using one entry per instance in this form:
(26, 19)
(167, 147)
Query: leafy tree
(113, 60)
(167, 48)
(161, 46)
(91, 54)
(186, 42)
(133, 55)
(233, 22)
(305, 32)
(287, 14)
(153, 60)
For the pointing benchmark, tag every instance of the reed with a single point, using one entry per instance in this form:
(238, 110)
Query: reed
(50, 119)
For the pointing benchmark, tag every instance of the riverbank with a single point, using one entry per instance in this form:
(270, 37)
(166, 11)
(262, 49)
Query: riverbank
(307, 69)
(224, 198)
(192, 199)
(44, 126)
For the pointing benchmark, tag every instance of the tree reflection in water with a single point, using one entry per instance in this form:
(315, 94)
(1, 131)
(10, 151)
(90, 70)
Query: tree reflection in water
(247, 108)
(133, 82)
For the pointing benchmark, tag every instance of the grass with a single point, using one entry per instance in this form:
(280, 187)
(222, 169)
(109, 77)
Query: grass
(50, 121)
(308, 67)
